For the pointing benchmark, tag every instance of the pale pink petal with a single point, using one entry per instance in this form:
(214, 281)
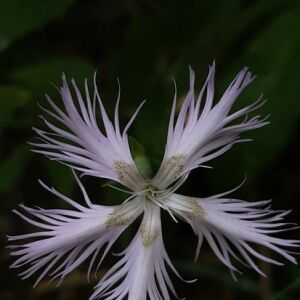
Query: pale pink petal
(66, 238)
(79, 142)
(232, 226)
(203, 131)
(141, 273)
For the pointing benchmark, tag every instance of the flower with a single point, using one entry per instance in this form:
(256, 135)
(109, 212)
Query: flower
(201, 132)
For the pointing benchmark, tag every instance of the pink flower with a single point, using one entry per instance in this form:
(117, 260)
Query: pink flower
(201, 132)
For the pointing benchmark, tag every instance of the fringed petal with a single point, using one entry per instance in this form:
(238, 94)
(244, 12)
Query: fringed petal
(204, 131)
(66, 238)
(232, 226)
(141, 273)
(80, 143)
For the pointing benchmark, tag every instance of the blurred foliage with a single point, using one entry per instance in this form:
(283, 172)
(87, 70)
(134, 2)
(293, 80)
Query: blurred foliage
(12, 167)
(294, 286)
(144, 43)
(276, 62)
(12, 98)
(19, 17)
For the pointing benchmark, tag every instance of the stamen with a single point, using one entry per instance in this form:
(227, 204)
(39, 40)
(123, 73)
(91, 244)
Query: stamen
(129, 198)
(175, 187)
(120, 189)
(160, 203)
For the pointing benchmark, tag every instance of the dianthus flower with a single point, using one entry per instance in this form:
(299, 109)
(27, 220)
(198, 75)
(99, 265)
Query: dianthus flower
(201, 131)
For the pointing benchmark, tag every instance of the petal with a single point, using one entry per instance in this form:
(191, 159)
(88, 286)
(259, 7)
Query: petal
(66, 238)
(202, 132)
(141, 273)
(80, 142)
(231, 226)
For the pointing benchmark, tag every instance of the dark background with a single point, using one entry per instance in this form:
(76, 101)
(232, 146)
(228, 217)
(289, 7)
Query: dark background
(144, 43)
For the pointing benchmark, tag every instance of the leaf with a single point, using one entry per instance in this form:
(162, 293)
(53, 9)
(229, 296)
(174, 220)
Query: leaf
(18, 17)
(11, 168)
(139, 156)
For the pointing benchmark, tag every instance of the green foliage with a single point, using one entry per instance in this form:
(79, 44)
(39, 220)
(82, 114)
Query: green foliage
(29, 85)
(19, 17)
(38, 76)
(245, 284)
(292, 288)
(11, 99)
(140, 157)
(275, 62)
(60, 177)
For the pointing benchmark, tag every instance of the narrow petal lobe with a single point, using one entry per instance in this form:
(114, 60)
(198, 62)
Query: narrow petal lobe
(203, 131)
(231, 226)
(141, 272)
(80, 143)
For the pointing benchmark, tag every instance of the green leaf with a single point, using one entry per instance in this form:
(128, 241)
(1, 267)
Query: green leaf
(18, 17)
(136, 148)
(140, 158)
(11, 168)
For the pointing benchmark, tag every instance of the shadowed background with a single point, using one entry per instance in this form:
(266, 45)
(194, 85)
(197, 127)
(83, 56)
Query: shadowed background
(144, 43)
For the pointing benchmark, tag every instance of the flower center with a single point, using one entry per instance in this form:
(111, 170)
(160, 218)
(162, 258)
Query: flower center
(151, 191)
(153, 195)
